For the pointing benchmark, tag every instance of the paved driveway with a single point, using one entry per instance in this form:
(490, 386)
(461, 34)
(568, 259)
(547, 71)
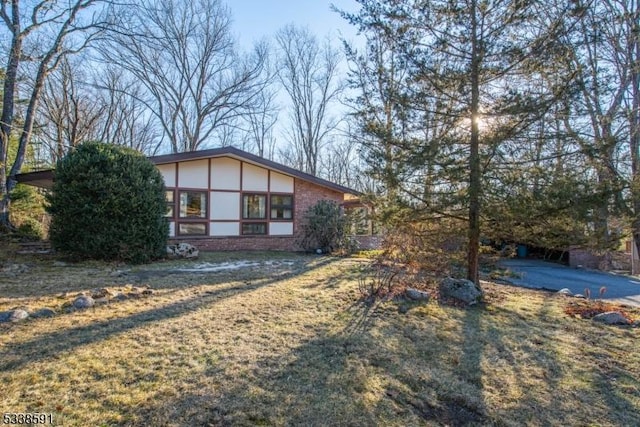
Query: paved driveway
(540, 274)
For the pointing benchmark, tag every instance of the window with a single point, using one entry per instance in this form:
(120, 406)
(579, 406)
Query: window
(168, 196)
(192, 229)
(253, 228)
(281, 207)
(254, 206)
(193, 204)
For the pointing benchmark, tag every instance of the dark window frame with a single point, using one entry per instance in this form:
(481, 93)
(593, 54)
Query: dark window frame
(290, 207)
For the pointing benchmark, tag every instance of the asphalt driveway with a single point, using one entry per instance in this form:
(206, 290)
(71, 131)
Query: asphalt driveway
(546, 275)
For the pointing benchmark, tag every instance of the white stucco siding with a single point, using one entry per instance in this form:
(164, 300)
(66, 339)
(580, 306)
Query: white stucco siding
(281, 183)
(194, 174)
(224, 229)
(254, 178)
(168, 172)
(225, 205)
(225, 174)
(281, 228)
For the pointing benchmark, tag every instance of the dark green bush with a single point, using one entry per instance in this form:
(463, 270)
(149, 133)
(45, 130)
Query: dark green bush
(324, 228)
(108, 203)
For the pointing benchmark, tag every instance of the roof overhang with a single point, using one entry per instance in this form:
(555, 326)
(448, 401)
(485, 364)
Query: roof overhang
(41, 179)
(44, 179)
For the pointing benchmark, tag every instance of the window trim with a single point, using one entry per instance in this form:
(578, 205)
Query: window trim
(266, 207)
(284, 207)
(192, 218)
(266, 228)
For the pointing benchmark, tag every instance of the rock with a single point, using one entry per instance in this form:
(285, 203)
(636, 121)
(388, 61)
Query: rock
(13, 315)
(460, 289)
(565, 291)
(403, 309)
(99, 293)
(83, 302)
(43, 312)
(147, 292)
(579, 296)
(59, 264)
(182, 250)
(120, 296)
(417, 295)
(611, 318)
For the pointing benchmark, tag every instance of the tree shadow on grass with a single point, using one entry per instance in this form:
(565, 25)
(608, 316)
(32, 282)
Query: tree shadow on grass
(17, 355)
(46, 280)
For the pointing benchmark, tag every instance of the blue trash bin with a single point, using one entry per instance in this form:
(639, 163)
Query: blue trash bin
(522, 251)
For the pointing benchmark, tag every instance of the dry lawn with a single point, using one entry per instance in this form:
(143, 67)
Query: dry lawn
(286, 342)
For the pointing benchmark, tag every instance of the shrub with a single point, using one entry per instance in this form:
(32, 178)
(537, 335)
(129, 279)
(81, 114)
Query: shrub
(325, 228)
(28, 212)
(108, 203)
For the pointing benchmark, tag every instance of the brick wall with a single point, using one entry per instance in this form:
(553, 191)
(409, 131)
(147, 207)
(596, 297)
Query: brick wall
(306, 195)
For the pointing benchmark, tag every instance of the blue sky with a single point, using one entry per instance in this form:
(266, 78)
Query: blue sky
(255, 19)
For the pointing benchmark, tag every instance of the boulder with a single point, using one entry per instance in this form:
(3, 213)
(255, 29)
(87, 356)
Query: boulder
(611, 318)
(13, 315)
(83, 301)
(460, 289)
(565, 291)
(182, 250)
(43, 312)
(416, 295)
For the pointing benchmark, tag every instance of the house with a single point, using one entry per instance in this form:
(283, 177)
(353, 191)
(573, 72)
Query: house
(228, 199)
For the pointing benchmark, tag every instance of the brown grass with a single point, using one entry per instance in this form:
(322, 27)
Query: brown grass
(288, 343)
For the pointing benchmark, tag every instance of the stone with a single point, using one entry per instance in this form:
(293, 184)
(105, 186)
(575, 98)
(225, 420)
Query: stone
(460, 289)
(417, 295)
(13, 315)
(120, 296)
(99, 293)
(403, 308)
(43, 312)
(59, 264)
(611, 318)
(83, 302)
(147, 292)
(565, 291)
(579, 296)
(183, 250)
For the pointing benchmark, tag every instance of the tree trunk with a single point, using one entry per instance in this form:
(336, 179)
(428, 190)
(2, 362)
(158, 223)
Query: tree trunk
(474, 155)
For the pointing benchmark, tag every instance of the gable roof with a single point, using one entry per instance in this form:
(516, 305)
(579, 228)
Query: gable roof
(44, 179)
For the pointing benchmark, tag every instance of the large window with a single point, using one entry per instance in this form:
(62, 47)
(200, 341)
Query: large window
(254, 206)
(193, 204)
(281, 206)
(192, 229)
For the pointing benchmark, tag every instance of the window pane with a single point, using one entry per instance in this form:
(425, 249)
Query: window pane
(169, 211)
(281, 213)
(254, 228)
(279, 200)
(168, 196)
(254, 206)
(193, 204)
(281, 206)
(197, 229)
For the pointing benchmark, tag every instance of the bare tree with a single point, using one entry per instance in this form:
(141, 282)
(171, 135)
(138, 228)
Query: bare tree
(183, 53)
(69, 112)
(126, 119)
(309, 75)
(40, 34)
